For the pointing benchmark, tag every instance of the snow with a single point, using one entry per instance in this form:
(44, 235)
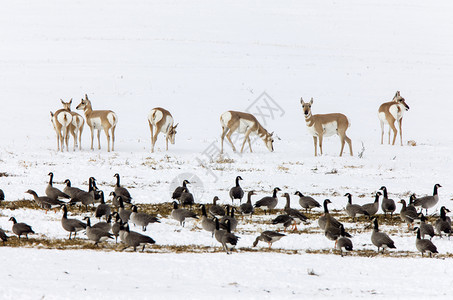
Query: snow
(199, 59)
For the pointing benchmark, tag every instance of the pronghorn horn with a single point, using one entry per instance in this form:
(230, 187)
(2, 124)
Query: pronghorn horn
(175, 125)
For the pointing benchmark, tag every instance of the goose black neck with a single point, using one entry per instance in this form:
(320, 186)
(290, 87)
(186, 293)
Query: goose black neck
(68, 183)
(376, 199)
(249, 198)
(217, 224)
(349, 198)
(376, 226)
(232, 212)
(442, 214)
(88, 222)
(102, 198)
(237, 181)
(51, 178)
(118, 180)
(342, 232)
(435, 190)
(403, 202)
(384, 190)
(326, 210)
(65, 212)
(203, 211)
(274, 195)
(184, 183)
(418, 234)
(288, 200)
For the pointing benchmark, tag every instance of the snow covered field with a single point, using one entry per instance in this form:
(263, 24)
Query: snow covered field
(199, 59)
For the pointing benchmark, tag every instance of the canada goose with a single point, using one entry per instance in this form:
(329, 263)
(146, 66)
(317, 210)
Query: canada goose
(206, 223)
(284, 220)
(71, 191)
(247, 208)
(332, 232)
(96, 191)
(425, 228)
(186, 198)
(80, 196)
(181, 214)
(294, 213)
(268, 202)
(231, 218)
(116, 226)
(236, 192)
(178, 191)
(407, 216)
(44, 201)
(142, 219)
(225, 237)
(52, 192)
(96, 234)
(216, 210)
(343, 243)
(268, 237)
(424, 245)
(381, 239)
(322, 220)
(106, 226)
(387, 205)
(372, 208)
(134, 239)
(102, 209)
(21, 228)
(115, 201)
(71, 225)
(307, 202)
(124, 214)
(428, 201)
(354, 210)
(411, 205)
(121, 191)
(3, 236)
(442, 224)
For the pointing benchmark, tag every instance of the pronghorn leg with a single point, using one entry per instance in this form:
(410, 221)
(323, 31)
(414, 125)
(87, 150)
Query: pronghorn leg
(80, 137)
(342, 144)
(113, 137)
(74, 137)
(382, 132)
(92, 137)
(315, 142)
(155, 138)
(395, 132)
(222, 137)
(229, 139)
(152, 139)
(250, 145)
(99, 139)
(320, 143)
(245, 140)
(107, 134)
(400, 123)
(348, 140)
(66, 137)
(166, 143)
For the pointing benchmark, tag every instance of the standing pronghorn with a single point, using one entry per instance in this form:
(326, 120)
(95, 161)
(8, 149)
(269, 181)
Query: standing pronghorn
(392, 111)
(76, 126)
(61, 120)
(99, 119)
(162, 120)
(326, 125)
(246, 123)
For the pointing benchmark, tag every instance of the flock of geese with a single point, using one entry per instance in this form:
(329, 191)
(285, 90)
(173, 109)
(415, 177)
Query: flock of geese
(221, 223)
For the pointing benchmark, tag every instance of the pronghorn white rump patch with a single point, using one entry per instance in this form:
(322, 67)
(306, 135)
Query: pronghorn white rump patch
(112, 118)
(64, 118)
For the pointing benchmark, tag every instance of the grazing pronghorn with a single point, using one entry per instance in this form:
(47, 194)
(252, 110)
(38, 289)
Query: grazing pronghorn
(246, 123)
(76, 126)
(99, 119)
(61, 120)
(392, 111)
(326, 125)
(161, 120)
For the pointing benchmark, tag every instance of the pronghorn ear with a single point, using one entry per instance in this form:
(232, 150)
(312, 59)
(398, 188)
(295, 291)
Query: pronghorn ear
(302, 101)
(61, 101)
(70, 101)
(86, 97)
(311, 101)
(272, 133)
(51, 114)
(174, 127)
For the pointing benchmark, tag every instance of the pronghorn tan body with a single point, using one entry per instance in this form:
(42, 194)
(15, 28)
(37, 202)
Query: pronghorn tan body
(326, 125)
(76, 126)
(61, 121)
(161, 120)
(392, 111)
(235, 121)
(97, 120)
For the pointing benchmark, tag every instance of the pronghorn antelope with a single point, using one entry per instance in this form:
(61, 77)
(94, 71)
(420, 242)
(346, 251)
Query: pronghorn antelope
(99, 119)
(392, 111)
(161, 120)
(326, 125)
(61, 120)
(246, 123)
(76, 126)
